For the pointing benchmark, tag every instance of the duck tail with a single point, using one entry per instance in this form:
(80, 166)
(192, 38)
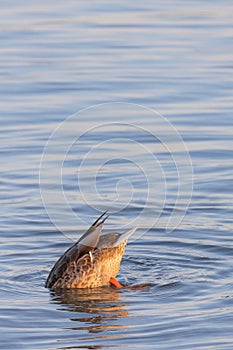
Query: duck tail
(98, 222)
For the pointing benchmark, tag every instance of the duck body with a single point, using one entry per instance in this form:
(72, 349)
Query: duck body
(93, 261)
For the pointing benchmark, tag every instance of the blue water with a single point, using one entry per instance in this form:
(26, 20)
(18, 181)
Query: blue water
(95, 100)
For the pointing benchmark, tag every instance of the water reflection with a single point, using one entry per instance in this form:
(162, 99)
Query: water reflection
(96, 308)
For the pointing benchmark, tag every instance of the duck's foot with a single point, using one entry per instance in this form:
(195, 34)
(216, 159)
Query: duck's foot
(115, 283)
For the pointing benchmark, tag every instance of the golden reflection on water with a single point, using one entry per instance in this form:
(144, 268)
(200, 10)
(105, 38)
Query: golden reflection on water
(92, 310)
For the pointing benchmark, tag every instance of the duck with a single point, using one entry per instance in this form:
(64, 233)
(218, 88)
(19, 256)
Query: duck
(93, 261)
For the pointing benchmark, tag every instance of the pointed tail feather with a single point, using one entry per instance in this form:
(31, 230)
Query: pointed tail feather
(97, 223)
(91, 237)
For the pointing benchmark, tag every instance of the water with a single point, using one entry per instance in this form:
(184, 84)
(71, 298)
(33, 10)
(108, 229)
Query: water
(171, 56)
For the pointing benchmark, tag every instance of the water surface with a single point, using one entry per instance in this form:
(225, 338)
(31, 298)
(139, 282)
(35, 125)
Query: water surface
(173, 57)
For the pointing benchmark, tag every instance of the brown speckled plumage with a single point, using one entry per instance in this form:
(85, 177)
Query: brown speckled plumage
(78, 268)
(84, 273)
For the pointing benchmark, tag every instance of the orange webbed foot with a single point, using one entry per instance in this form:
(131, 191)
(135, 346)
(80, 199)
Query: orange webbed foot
(115, 283)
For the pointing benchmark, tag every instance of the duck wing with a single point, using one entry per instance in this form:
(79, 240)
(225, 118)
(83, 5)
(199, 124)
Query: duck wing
(88, 242)
(114, 239)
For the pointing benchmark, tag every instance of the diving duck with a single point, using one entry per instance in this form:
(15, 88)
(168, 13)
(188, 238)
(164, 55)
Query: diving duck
(93, 261)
